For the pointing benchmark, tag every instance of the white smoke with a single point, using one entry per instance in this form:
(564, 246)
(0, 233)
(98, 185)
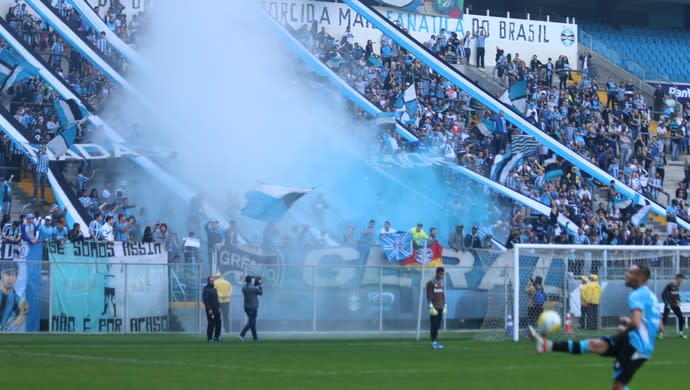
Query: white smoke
(227, 99)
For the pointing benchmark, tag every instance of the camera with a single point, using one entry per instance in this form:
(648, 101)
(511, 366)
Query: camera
(255, 280)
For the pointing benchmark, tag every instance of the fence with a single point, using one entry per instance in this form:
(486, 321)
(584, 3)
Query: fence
(319, 293)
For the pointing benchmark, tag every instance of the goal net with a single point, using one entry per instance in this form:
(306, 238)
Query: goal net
(563, 271)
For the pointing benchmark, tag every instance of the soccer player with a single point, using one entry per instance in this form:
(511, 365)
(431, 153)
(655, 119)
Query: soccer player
(633, 344)
(436, 295)
(671, 298)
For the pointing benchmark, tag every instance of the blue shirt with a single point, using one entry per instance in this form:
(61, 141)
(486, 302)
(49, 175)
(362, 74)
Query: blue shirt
(642, 338)
(45, 232)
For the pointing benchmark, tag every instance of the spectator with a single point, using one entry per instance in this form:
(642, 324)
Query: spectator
(418, 234)
(75, 234)
(456, 239)
(472, 239)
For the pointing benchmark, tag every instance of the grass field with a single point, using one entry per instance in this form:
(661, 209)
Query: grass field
(187, 362)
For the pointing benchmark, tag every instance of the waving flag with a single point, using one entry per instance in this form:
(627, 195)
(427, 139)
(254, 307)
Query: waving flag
(486, 127)
(15, 68)
(409, 106)
(516, 96)
(268, 202)
(553, 168)
(397, 246)
(436, 254)
(71, 114)
(424, 255)
(522, 143)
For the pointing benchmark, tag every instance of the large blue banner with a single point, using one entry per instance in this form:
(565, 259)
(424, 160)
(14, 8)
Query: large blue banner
(108, 287)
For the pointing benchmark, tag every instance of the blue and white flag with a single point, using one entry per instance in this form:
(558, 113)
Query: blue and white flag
(71, 115)
(397, 246)
(639, 210)
(522, 143)
(5, 72)
(486, 127)
(516, 96)
(268, 202)
(513, 163)
(20, 69)
(409, 106)
(552, 168)
(424, 255)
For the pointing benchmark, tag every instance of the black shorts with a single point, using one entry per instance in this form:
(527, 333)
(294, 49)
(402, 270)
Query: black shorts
(626, 363)
(109, 292)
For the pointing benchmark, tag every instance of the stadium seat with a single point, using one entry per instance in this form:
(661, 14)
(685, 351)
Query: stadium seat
(626, 42)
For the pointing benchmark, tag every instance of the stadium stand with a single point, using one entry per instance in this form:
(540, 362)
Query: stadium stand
(567, 114)
(652, 63)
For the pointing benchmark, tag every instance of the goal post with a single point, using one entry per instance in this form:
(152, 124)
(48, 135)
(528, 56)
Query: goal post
(562, 269)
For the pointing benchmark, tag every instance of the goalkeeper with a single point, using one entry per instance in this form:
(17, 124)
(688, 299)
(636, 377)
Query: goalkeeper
(436, 295)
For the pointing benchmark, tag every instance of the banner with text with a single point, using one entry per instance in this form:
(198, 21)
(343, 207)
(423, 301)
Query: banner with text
(20, 272)
(526, 37)
(113, 287)
(678, 90)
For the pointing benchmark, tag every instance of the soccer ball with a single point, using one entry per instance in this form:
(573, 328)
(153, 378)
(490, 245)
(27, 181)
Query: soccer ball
(549, 322)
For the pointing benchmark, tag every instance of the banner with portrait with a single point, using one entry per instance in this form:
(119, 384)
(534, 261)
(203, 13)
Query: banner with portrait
(20, 285)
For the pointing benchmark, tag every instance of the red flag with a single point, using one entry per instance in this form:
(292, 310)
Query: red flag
(410, 260)
(436, 255)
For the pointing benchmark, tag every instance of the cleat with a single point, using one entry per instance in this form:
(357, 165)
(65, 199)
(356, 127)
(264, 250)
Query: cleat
(683, 336)
(241, 338)
(218, 340)
(210, 341)
(540, 343)
(660, 336)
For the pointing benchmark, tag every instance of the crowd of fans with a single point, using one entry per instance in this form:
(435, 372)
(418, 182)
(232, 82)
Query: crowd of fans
(115, 19)
(77, 72)
(614, 134)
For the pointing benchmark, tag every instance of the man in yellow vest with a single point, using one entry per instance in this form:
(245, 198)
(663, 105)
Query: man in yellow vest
(594, 297)
(418, 234)
(224, 290)
(584, 302)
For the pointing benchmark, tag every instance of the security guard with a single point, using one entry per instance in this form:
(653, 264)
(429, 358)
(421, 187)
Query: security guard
(584, 303)
(224, 289)
(594, 297)
(210, 299)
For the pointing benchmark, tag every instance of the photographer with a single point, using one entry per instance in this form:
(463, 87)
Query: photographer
(251, 291)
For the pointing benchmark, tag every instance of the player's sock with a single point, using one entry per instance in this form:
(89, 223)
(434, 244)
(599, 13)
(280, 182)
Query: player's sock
(570, 346)
(542, 344)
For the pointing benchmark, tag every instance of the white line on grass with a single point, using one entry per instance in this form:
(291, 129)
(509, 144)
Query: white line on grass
(314, 371)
